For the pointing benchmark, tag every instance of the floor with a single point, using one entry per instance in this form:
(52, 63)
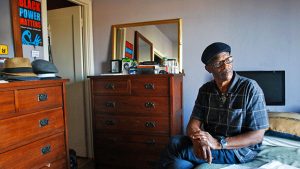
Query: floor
(85, 163)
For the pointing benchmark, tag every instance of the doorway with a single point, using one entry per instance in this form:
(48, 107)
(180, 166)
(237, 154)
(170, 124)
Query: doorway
(68, 52)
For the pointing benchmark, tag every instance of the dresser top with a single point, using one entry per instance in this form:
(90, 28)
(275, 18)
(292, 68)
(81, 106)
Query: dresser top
(31, 83)
(133, 76)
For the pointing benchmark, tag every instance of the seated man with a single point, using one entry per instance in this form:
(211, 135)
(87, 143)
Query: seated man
(228, 121)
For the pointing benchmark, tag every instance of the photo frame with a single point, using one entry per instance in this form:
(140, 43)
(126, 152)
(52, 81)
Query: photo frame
(116, 66)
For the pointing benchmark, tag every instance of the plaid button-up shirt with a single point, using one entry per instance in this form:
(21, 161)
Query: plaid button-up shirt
(240, 110)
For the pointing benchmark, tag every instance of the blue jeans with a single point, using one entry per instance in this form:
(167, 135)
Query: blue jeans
(179, 154)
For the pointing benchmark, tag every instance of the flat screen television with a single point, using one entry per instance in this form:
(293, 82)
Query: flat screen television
(271, 82)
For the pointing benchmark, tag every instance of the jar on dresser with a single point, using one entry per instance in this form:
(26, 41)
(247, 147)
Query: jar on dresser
(33, 125)
(134, 117)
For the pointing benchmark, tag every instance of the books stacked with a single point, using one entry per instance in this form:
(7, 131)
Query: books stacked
(147, 69)
(152, 69)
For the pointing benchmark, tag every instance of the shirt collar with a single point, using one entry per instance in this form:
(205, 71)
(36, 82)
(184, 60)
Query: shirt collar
(233, 82)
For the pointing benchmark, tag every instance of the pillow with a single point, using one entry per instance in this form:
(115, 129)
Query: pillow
(280, 142)
(284, 125)
(282, 135)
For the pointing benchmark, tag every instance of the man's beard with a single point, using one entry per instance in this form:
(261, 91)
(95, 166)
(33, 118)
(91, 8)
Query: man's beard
(225, 74)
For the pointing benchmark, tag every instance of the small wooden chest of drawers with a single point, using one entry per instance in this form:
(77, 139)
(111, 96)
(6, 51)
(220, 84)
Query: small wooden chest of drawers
(33, 125)
(133, 117)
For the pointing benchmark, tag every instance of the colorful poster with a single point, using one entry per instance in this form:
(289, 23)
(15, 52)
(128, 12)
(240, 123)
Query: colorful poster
(31, 22)
(129, 50)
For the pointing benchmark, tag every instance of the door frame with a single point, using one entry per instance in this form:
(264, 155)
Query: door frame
(88, 59)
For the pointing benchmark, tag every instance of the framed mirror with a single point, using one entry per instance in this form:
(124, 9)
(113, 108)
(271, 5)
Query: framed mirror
(143, 48)
(165, 36)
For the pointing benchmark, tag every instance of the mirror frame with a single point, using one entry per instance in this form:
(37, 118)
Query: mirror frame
(14, 8)
(177, 21)
(137, 37)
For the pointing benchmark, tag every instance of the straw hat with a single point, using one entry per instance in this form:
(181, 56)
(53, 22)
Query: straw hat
(18, 66)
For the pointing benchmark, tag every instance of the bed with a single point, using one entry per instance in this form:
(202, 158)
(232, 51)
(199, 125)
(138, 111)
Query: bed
(281, 145)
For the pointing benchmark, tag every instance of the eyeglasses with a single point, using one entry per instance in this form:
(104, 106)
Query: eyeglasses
(222, 62)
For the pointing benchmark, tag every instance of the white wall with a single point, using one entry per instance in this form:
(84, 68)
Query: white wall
(264, 35)
(6, 33)
(161, 43)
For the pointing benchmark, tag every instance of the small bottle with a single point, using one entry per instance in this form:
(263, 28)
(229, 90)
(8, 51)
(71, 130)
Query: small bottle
(171, 63)
(176, 68)
(165, 64)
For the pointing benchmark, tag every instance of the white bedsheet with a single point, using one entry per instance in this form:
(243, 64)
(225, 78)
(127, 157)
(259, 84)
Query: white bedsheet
(276, 165)
(270, 165)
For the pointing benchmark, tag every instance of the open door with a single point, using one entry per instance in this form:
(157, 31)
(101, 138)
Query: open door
(65, 30)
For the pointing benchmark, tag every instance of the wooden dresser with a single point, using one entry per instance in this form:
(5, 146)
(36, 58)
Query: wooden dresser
(33, 130)
(133, 117)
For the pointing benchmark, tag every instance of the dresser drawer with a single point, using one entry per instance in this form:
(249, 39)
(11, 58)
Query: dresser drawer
(35, 155)
(159, 125)
(37, 99)
(132, 104)
(130, 155)
(149, 141)
(150, 87)
(123, 160)
(111, 86)
(7, 102)
(21, 130)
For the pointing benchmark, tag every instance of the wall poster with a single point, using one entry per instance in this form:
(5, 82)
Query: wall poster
(129, 50)
(31, 22)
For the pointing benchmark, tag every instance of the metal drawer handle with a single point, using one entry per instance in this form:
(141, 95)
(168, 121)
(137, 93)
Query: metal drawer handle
(48, 165)
(46, 149)
(149, 86)
(150, 142)
(42, 97)
(110, 86)
(109, 122)
(110, 104)
(150, 105)
(44, 122)
(150, 124)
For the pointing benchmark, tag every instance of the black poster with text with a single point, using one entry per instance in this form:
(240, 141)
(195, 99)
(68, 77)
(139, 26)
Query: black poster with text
(31, 22)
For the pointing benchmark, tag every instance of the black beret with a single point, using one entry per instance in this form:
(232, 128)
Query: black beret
(214, 49)
(41, 66)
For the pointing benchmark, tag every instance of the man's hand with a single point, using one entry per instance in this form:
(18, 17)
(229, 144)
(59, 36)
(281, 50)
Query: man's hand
(203, 143)
(206, 139)
(202, 150)
(202, 146)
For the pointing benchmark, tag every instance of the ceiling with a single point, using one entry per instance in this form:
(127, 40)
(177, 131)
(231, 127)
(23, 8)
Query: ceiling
(170, 30)
(56, 4)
